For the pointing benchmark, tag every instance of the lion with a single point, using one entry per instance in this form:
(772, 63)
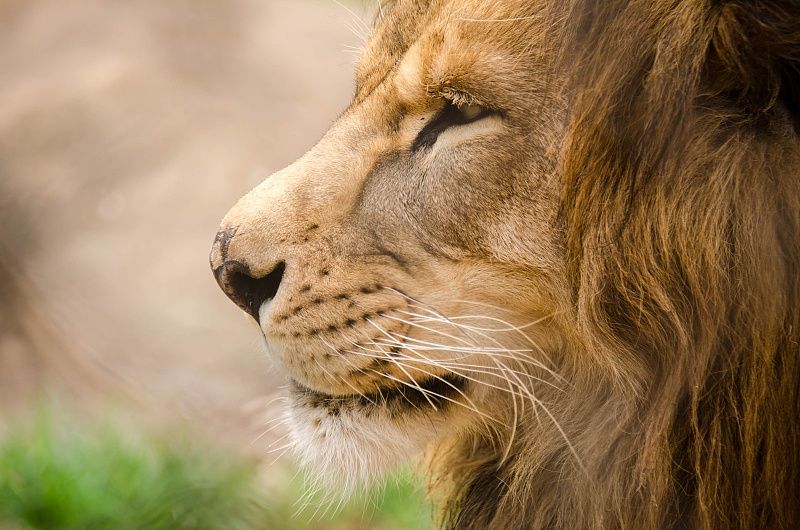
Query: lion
(551, 249)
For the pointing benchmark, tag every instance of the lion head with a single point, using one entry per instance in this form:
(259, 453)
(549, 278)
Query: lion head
(555, 247)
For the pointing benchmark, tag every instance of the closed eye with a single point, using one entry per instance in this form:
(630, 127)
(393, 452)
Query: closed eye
(450, 116)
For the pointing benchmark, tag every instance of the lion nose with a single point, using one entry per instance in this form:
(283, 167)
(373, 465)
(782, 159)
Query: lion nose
(246, 290)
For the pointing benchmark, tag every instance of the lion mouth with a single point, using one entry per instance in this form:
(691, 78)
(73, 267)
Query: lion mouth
(436, 392)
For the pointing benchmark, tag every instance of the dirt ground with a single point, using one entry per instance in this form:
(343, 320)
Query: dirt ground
(127, 130)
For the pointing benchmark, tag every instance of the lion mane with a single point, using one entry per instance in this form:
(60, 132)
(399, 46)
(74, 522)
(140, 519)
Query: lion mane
(603, 197)
(681, 204)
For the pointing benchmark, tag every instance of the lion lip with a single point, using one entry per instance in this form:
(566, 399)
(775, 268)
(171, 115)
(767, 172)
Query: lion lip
(436, 392)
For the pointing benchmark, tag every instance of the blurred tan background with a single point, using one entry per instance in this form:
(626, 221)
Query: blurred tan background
(127, 130)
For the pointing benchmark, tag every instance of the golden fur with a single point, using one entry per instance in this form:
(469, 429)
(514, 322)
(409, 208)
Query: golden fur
(556, 247)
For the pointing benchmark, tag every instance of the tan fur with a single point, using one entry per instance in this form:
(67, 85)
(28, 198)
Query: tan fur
(584, 305)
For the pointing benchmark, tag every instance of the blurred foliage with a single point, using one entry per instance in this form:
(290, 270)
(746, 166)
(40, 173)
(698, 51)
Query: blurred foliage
(397, 504)
(65, 474)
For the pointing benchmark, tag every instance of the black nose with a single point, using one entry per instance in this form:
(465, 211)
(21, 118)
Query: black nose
(246, 291)
(236, 280)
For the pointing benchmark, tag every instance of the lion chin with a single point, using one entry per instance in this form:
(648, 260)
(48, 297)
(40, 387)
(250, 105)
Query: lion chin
(554, 247)
(349, 440)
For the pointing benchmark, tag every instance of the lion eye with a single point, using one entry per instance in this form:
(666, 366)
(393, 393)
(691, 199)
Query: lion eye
(471, 112)
(450, 116)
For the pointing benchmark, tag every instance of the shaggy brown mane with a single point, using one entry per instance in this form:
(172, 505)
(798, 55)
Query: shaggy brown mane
(681, 206)
(694, 273)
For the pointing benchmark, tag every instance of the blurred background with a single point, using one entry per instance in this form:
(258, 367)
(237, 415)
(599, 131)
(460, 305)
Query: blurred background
(127, 130)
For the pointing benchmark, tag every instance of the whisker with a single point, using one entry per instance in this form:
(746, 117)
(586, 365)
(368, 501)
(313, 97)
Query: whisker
(387, 334)
(462, 340)
(518, 385)
(432, 330)
(362, 25)
(474, 407)
(414, 381)
(517, 328)
(433, 363)
(510, 327)
(343, 379)
(279, 424)
(285, 450)
(355, 30)
(471, 408)
(500, 347)
(450, 364)
(474, 351)
(442, 318)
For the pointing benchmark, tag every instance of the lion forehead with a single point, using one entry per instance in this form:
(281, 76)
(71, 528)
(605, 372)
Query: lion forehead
(440, 46)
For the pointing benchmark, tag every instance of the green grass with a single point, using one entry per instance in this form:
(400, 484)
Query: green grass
(398, 504)
(69, 475)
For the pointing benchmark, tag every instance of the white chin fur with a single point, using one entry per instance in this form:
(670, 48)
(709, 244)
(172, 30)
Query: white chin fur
(347, 450)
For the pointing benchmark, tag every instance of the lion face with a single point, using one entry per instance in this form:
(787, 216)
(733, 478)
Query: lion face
(556, 247)
(408, 272)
